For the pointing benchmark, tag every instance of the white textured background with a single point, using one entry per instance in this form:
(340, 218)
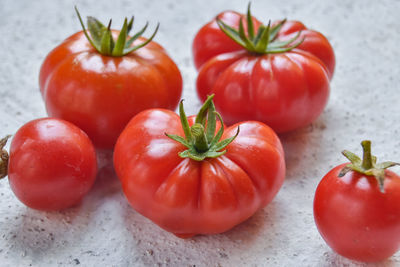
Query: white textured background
(105, 231)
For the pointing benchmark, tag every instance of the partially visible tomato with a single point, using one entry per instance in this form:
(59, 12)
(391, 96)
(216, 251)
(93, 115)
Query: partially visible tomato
(277, 74)
(197, 187)
(52, 164)
(357, 208)
(100, 89)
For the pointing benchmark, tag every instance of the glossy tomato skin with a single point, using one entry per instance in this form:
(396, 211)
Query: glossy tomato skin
(100, 94)
(297, 88)
(52, 164)
(286, 90)
(357, 220)
(188, 197)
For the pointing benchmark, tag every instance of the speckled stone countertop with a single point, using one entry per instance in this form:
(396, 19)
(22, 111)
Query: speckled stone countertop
(105, 231)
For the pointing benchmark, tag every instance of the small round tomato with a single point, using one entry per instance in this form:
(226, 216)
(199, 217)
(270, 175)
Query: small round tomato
(99, 84)
(192, 185)
(357, 208)
(278, 74)
(52, 164)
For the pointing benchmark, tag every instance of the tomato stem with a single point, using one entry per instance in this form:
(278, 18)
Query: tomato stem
(367, 157)
(200, 139)
(368, 165)
(4, 157)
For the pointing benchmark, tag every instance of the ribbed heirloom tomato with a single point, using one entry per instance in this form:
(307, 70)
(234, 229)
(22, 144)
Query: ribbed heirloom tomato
(51, 166)
(190, 185)
(357, 208)
(277, 74)
(99, 84)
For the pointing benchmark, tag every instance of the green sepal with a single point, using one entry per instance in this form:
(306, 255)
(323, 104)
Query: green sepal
(97, 47)
(137, 35)
(202, 114)
(220, 132)
(130, 25)
(211, 122)
(184, 122)
(275, 30)
(274, 50)
(179, 139)
(96, 29)
(352, 157)
(107, 42)
(387, 164)
(224, 143)
(367, 165)
(193, 154)
(243, 36)
(130, 50)
(264, 42)
(230, 32)
(102, 40)
(120, 43)
(278, 44)
(199, 138)
(250, 26)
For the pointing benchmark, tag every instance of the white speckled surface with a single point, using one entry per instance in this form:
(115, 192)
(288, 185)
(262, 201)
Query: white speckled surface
(105, 231)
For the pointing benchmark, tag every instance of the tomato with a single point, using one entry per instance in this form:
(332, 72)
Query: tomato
(100, 91)
(358, 215)
(52, 164)
(277, 74)
(201, 190)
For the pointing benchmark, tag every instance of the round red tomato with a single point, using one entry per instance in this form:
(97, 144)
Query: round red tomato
(52, 164)
(101, 92)
(189, 195)
(279, 74)
(358, 215)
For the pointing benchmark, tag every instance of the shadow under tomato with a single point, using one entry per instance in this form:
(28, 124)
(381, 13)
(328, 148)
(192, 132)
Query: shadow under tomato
(151, 239)
(32, 235)
(302, 146)
(335, 259)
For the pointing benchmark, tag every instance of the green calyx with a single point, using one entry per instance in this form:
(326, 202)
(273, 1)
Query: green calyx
(101, 37)
(265, 41)
(200, 138)
(3, 157)
(367, 165)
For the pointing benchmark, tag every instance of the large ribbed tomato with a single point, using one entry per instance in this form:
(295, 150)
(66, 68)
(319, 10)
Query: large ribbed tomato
(204, 189)
(277, 74)
(99, 89)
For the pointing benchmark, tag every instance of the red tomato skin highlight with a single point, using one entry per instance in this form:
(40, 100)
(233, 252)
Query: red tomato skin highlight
(52, 164)
(357, 220)
(297, 88)
(100, 94)
(188, 197)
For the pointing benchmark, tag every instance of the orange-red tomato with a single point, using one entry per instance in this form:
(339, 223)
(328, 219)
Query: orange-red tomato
(189, 197)
(52, 164)
(100, 94)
